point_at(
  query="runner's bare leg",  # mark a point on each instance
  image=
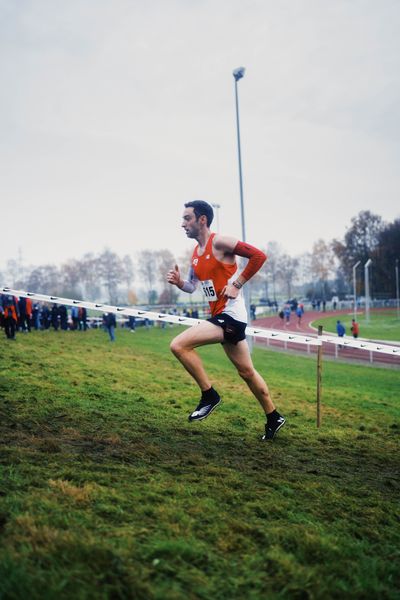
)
(240, 356)
(183, 348)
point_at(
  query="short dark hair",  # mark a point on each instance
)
(201, 208)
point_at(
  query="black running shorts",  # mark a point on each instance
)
(234, 331)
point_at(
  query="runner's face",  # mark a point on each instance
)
(190, 223)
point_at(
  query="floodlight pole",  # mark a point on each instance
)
(238, 74)
(355, 289)
(367, 299)
(397, 287)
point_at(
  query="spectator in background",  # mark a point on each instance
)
(36, 316)
(286, 312)
(25, 313)
(340, 330)
(75, 317)
(45, 317)
(132, 324)
(28, 313)
(10, 316)
(82, 316)
(299, 314)
(253, 312)
(54, 316)
(355, 329)
(63, 312)
(110, 324)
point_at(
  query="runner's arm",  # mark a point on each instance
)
(256, 260)
(256, 257)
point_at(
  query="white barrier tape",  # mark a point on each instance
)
(362, 345)
(273, 334)
(154, 316)
(189, 322)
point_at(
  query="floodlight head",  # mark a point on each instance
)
(369, 261)
(238, 73)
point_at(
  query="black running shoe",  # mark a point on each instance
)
(271, 429)
(204, 409)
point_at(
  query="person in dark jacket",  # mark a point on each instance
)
(45, 317)
(62, 311)
(340, 329)
(36, 316)
(110, 324)
(25, 314)
(82, 316)
(54, 316)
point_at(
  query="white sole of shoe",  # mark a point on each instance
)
(207, 415)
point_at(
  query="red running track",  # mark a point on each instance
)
(275, 322)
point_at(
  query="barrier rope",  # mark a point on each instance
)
(158, 316)
(258, 332)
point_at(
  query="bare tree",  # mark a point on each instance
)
(148, 262)
(45, 279)
(270, 270)
(361, 240)
(322, 263)
(166, 261)
(16, 273)
(89, 276)
(304, 269)
(129, 273)
(111, 271)
(70, 278)
(287, 272)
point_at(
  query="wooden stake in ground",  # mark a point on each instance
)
(319, 378)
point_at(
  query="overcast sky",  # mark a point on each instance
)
(115, 113)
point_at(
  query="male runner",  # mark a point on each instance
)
(214, 266)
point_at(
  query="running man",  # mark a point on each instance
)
(214, 266)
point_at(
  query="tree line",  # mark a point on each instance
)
(328, 269)
(325, 271)
(98, 276)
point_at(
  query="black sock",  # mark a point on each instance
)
(273, 416)
(210, 394)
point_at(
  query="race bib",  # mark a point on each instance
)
(209, 290)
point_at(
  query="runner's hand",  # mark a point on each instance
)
(174, 277)
(230, 291)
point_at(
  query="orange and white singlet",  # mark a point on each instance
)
(213, 276)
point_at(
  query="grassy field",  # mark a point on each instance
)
(383, 325)
(108, 492)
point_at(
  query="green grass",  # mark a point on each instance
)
(107, 491)
(383, 325)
